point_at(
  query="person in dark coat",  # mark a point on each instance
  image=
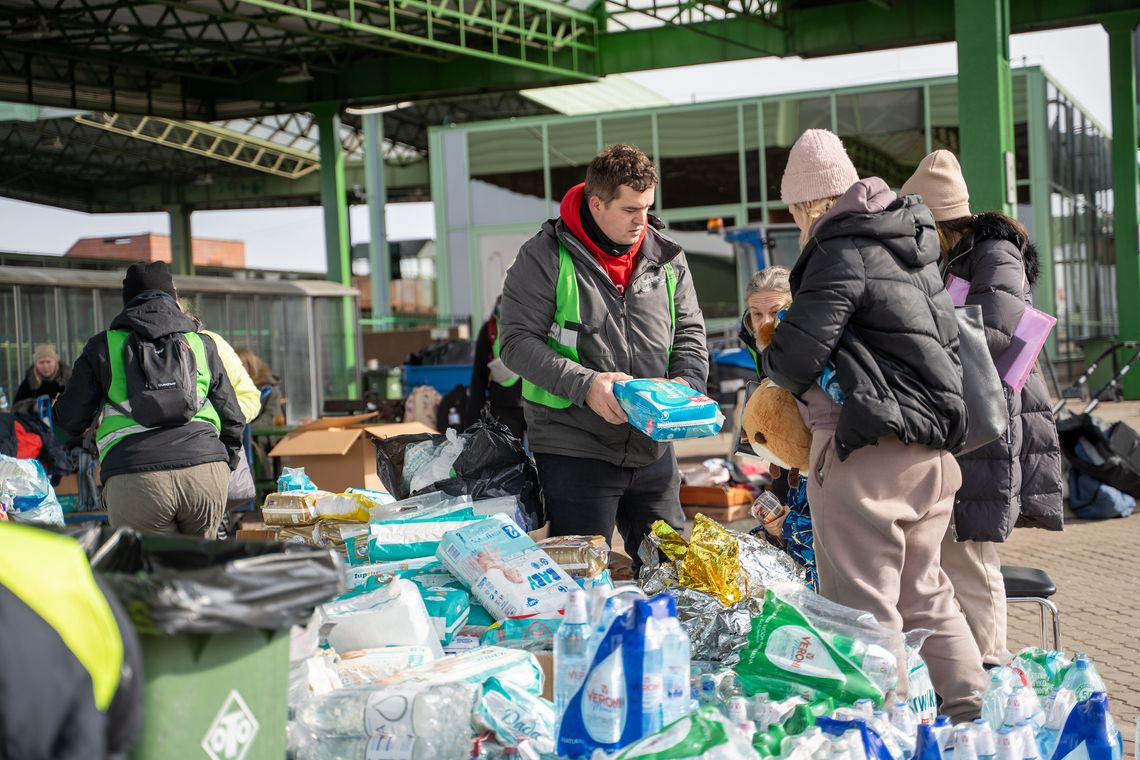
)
(1016, 480)
(492, 383)
(47, 376)
(868, 301)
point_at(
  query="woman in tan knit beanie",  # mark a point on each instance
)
(47, 376)
(868, 305)
(1016, 480)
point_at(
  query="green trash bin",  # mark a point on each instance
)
(219, 696)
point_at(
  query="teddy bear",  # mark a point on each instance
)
(772, 422)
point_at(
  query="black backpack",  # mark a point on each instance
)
(162, 380)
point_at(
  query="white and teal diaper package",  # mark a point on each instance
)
(504, 568)
(668, 411)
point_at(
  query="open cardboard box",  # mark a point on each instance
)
(336, 452)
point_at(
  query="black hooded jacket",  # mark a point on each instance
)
(1016, 480)
(152, 314)
(867, 296)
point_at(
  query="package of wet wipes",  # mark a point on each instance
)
(504, 568)
(667, 411)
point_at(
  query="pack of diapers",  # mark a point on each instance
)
(394, 540)
(667, 411)
(448, 609)
(504, 568)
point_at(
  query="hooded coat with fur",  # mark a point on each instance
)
(867, 296)
(1015, 480)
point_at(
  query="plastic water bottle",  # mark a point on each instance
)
(738, 716)
(903, 719)
(1057, 710)
(423, 711)
(984, 740)
(1029, 748)
(1015, 711)
(571, 651)
(652, 669)
(865, 707)
(1082, 679)
(928, 746)
(453, 418)
(964, 746)
(944, 731)
(380, 747)
(676, 664)
(1008, 743)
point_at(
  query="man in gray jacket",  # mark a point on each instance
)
(598, 296)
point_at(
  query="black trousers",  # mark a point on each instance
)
(587, 497)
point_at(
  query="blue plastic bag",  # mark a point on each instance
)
(33, 498)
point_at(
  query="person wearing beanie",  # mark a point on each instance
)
(172, 477)
(47, 376)
(1015, 480)
(869, 310)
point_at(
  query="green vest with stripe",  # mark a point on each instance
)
(495, 349)
(49, 573)
(117, 423)
(567, 310)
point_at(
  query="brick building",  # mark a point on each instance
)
(151, 247)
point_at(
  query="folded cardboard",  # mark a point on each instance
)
(337, 452)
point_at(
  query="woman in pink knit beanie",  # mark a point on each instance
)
(1015, 480)
(869, 310)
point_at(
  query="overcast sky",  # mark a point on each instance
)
(293, 238)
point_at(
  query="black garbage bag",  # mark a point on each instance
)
(493, 465)
(458, 351)
(180, 584)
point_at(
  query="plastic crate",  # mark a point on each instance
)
(442, 377)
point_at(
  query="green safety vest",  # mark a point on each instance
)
(566, 310)
(49, 573)
(117, 423)
(495, 348)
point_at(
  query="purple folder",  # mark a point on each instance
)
(1015, 363)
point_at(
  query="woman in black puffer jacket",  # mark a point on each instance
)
(868, 303)
(1016, 480)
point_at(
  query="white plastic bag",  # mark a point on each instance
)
(33, 498)
(430, 462)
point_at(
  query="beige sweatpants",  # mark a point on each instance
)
(879, 518)
(974, 568)
(188, 501)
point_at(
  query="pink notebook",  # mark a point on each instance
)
(1016, 363)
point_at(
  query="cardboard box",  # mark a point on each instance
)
(337, 453)
(256, 535)
(68, 485)
(546, 660)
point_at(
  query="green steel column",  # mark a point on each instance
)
(985, 102)
(378, 257)
(1122, 78)
(335, 205)
(181, 240)
(1045, 292)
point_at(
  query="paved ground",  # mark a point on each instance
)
(1094, 565)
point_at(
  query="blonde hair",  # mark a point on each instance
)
(773, 278)
(256, 367)
(810, 212)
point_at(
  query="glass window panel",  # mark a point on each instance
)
(294, 364)
(630, 130)
(712, 264)
(944, 118)
(242, 322)
(784, 122)
(336, 373)
(883, 132)
(79, 322)
(571, 146)
(700, 157)
(211, 309)
(506, 175)
(782, 246)
(11, 373)
(37, 319)
(752, 176)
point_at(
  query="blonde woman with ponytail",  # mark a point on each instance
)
(868, 300)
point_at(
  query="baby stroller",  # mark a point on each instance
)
(1100, 453)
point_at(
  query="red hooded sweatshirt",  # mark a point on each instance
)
(619, 268)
